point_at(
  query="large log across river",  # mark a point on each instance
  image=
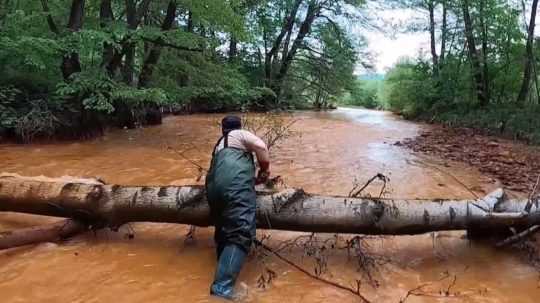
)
(91, 201)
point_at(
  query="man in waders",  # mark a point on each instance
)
(230, 189)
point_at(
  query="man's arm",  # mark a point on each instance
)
(256, 145)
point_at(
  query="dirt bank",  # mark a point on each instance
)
(515, 165)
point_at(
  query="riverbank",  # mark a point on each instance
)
(516, 165)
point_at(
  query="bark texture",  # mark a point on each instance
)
(71, 63)
(433, 44)
(88, 200)
(155, 51)
(529, 60)
(47, 233)
(106, 17)
(288, 25)
(478, 72)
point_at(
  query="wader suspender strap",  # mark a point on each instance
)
(225, 143)
(226, 140)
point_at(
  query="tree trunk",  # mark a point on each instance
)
(288, 25)
(113, 205)
(133, 21)
(106, 17)
(444, 32)
(312, 12)
(473, 56)
(47, 233)
(434, 56)
(485, 50)
(50, 20)
(155, 51)
(189, 26)
(233, 48)
(529, 60)
(134, 16)
(4, 11)
(285, 51)
(70, 62)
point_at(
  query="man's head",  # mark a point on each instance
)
(230, 123)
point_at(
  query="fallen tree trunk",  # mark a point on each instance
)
(46, 233)
(89, 200)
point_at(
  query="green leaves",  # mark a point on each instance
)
(98, 92)
(34, 53)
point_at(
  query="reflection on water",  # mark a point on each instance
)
(332, 150)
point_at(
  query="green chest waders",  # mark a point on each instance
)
(230, 189)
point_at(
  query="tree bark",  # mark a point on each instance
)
(113, 205)
(529, 60)
(485, 50)
(444, 32)
(233, 48)
(155, 50)
(50, 20)
(270, 55)
(434, 56)
(312, 12)
(134, 19)
(70, 62)
(47, 233)
(473, 55)
(189, 26)
(106, 16)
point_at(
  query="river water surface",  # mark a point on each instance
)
(328, 153)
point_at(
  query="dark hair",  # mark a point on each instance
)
(230, 123)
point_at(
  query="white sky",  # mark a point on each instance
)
(391, 43)
(388, 50)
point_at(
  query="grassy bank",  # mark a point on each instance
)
(412, 90)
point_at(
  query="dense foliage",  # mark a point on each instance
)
(72, 67)
(366, 92)
(491, 86)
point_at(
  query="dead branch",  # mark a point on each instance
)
(274, 126)
(355, 292)
(181, 154)
(419, 291)
(519, 236)
(46, 233)
(356, 191)
(531, 196)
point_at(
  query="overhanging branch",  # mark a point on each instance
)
(170, 45)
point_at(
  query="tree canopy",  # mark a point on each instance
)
(70, 68)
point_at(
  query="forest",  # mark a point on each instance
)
(72, 68)
(479, 70)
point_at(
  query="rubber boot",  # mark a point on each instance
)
(229, 265)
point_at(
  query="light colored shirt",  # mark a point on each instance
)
(247, 141)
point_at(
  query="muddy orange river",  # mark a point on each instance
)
(329, 151)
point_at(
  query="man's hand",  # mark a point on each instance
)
(262, 177)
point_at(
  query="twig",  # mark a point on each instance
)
(190, 236)
(354, 193)
(187, 159)
(418, 291)
(531, 196)
(356, 292)
(518, 237)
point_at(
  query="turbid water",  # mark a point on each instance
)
(328, 153)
